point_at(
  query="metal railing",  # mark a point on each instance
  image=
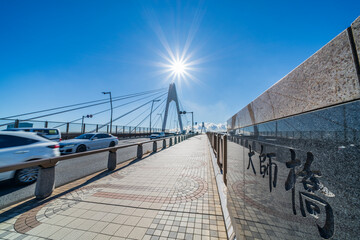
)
(46, 179)
(70, 127)
(218, 143)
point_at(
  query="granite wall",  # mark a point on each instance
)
(327, 78)
(293, 153)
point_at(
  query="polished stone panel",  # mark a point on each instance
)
(355, 26)
(297, 177)
(327, 78)
(293, 153)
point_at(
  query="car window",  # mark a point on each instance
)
(85, 136)
(38, 130)
(52, 131)
(47, 131)
(14, 141)
(103, 136)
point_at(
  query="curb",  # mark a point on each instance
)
(222, 190)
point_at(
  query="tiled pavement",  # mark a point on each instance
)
(168, 195)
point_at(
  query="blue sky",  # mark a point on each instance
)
(54, 53)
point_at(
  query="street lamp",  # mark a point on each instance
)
(111, 109)
(82, 122)
(152, 105)
(192, 119)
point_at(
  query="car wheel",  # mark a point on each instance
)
(26, 176)
(112, 144)
(81, 148)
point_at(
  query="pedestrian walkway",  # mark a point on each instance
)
(168, 195)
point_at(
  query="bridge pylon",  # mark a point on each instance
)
(172, 96)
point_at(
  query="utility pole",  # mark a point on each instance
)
(152, 105)
(111, 116)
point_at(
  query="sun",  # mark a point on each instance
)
(178, 67)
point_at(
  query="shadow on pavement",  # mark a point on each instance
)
(34, 203)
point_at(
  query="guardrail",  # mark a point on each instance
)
(218, 143)
(46, 179)
(72, 127)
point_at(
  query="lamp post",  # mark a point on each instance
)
(82, 122)
(111, 109)
(192, 119)
(152, 105)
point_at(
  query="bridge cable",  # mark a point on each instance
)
(159, 116)
(78, 104)
(125, 114)
(78, 119)
(138, 116)
(148, 115)
(69, 110)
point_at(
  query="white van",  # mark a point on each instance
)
(52, 134)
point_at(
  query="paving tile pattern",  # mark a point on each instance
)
(168, 195)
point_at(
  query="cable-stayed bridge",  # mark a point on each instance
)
(135, 114)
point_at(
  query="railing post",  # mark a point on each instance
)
(112, 160)
(116, 129)
(218, 155)
(154, 146)
(175, 140)
(225, 160)
(45, 183)
(97, 127)
(107, 128)
(170, 142)
(139, 151)
(67, 127)
(16, 124)
(164, 143)
(46, 124)
(123, 129)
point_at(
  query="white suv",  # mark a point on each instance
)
(18, 147)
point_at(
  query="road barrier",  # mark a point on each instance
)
(218, 143)
(46, 179)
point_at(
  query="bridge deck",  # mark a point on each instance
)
(171, 194)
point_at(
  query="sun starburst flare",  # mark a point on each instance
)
(178, 61)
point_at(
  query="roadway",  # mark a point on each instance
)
(72, 169)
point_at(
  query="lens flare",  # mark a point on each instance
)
(178, 67)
